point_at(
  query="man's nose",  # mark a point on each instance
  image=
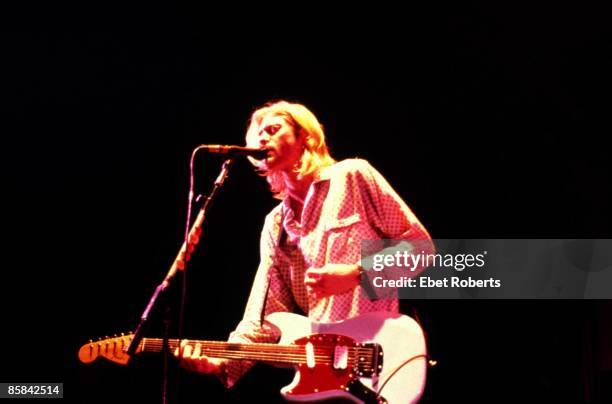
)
(264, 140)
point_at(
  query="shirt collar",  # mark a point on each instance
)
(325, 174)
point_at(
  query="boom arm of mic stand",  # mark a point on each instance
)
(182, 257)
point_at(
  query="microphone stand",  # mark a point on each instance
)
(179, 264)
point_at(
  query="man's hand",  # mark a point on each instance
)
(331, 279)
(191, 359)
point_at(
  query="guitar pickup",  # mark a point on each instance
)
(369, 359)
(341, 357)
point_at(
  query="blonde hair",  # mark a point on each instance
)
(315, 155)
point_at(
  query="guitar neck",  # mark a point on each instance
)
(285, 354)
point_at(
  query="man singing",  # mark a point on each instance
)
(311, 241)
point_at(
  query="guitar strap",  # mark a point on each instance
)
(281, 237)
(280, 241)
(262, 315)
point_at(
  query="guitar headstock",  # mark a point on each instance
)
(113, 349)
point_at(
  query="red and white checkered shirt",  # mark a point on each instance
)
(348, 203)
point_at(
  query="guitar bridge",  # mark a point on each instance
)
(368, 359)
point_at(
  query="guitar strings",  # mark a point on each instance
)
(276, 349)
(155, 342)
(286, 353)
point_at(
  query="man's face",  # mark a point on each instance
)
(285, 146)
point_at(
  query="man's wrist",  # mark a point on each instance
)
(360, 273)
(365, 283)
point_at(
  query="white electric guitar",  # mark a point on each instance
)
(378, 357)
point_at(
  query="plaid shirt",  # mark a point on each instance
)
(348, 203)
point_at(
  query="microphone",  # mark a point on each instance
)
(233, 151)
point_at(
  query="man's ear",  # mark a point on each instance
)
(305, 139)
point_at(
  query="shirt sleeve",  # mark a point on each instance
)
(392, 218)
(269, 294)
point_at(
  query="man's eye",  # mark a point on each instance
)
(272, 129)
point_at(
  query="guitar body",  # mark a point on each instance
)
(402, 372)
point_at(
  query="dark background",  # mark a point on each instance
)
(490, 121)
